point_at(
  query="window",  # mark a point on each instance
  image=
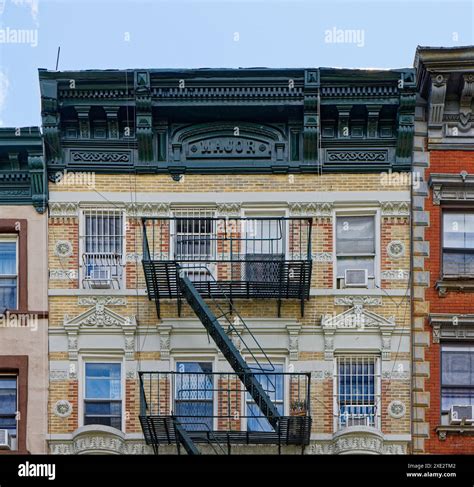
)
(195, 241)
(458, 244)
(357, 391)
(355, 251)
(457, 377)
(8, 274)
(264, 247)
(194, 394)
(102, 249)
(273, 384)
(8, 404)
(103, 394)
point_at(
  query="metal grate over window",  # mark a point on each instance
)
(102, 248)
(357, 391)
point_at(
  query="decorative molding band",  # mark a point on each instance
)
(395, 208)
(395, 275)
(229, 209)
(357, 440)
(360, 300)
(132, 257)
(95, 156)
(63, 209)
(63, 274)
(139, 210)
(102, 300)
(395, 375)
(356, 156)
(311, 209)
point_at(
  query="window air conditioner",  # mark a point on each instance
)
(99, 277)
(459, 414)
(5, 440)
(355, 278)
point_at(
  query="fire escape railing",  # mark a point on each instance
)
(258, 257)
(215, 408)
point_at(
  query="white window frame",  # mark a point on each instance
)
(375, 212)
(377, 386)
(100, 359)
(82, 236)
(5, 237)
(276, 360)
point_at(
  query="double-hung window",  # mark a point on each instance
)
(103, 394)
(273, 384)
(194, 395)
(8, 404)
(357, 391)
(457, 377)
(264, 246)
(102, 249)
(458, 244)
(355, 251)
(8, 274)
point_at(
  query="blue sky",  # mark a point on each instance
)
(115, 34)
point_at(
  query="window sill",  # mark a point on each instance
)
(459, 284)
(444, 430)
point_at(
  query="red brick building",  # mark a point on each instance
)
(443, 246)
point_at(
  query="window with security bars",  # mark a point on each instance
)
(357, 391)
(102, 243)
(458, 244)
(355, 251)
(194, 395)
(195, 241)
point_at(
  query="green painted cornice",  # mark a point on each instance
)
(22, 168)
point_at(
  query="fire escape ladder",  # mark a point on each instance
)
(215, 329)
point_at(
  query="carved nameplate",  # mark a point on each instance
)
(228, 147)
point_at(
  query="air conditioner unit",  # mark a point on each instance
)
(356, 278)
(460, 414)
(5, 440)
(100, 277)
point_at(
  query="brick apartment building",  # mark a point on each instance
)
(23, 292)
(444, 252)
(229, 260)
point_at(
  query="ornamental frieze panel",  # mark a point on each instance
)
(106, 157)
(357, 156)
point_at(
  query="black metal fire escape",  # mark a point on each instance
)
(225, 326)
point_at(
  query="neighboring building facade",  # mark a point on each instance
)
(280, 197)
(23, 292)
(444, 252)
